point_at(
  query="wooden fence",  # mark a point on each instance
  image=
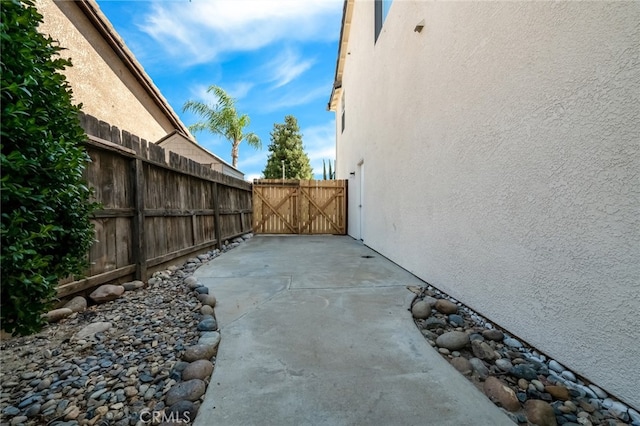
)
(152, 212)
(299, 206)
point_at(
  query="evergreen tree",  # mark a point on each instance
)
(286, 145)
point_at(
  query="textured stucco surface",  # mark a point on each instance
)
(502, 155)
(98, 78)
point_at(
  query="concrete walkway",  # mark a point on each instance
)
(316, 332)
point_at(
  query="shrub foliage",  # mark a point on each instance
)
(46, 207)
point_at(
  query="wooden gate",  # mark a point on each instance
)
(299, 206)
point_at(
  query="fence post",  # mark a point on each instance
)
(139, 247)
(216, 216)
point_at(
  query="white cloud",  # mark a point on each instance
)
(320, 144)
(258, 159)
(251, 176)
(237, 90)
(297, 98)
(287, 67)
(198, 31)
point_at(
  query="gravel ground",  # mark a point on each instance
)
(115, 363)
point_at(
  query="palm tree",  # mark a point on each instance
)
(222, 119)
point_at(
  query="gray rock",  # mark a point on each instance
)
(601, 394)
(200, 369)
(619, 410)
(524, 371)
(453, 340)
(493, 334)
(33, 410)
(446, 307)
(456, 320)
(482, 350)
(91, 329)
(430, 300)
(509, 341)
(130, 391)
(479, 368)
(421, 310)
(106, 293)
(433, 323)
(476, 336)
(96, 394)
(19, 420)
(211, 338)
(189, 390)
(202, 290)
(429, 334)
(31, 400)
(192, 282)
(207, 299)
(540, 413)
(11, 411)
(555, 366)
(58, 314)
(568, 375)
(504, 364)
(206, 310)
(154, 282)
(208, 323)
(77, 304)
(44, 384)
(180, 365)
(462, 365)
(587, 390)
(133, 285)
(199, 351)
(71, 413)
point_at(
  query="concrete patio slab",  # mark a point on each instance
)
(315, 334)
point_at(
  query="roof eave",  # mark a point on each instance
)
(347, 13)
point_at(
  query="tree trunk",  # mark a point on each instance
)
(234, 153)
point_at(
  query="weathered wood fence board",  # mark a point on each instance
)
(299, 206)
(153, 212)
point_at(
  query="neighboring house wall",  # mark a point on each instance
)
(502, 155)
(111, 84)
(99, 78)
(182, 145)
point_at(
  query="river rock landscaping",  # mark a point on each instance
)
(136, 353)
(528, 386)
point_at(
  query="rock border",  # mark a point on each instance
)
(528, 386)
(84, 382)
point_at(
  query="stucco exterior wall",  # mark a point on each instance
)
(502, 155)
(188, 149)
(180, 145)
(98, 78)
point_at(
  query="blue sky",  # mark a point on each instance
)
(275, 57)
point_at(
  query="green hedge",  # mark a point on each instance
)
(46, 231)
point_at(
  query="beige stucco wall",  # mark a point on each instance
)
(502, 155)
(177, 144)
(180, 145)
(98, 78)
